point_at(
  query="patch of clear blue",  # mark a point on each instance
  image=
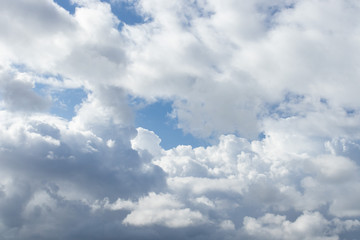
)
(64, 101)
(20, 67)
(67, 5)
(283, 109)
(125, 11)
(261, 136)
(155, 117)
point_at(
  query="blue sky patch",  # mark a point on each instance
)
(125, 12)
(67, 5)
(155, 117)
(64, 101)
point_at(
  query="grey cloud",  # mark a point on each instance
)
(34, 13)
(96, 170)
(230, 67)
(19, 95)
(50, 178)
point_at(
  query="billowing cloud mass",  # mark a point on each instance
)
(271, 86)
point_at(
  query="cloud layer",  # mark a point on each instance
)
(271, 85)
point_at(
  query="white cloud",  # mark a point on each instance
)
(221, 53)
(232, 69)
(146, 141)
(247, 177)
(163, 209)
(307, 226)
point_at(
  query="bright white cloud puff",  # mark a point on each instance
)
(272, 86)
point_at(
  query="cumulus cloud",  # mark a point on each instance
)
(246, 54)
(17, 93)
(272, 85)
(307, 226)
(148, 141)
(161, 209)
(49, 168)
(235, 180)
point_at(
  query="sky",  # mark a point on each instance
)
(187, 119)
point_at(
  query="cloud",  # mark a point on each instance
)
(17, 93)
(251, 55)
(161, 209)
(51, 170)
(235, 181)
(148, 141)
(273, 86)
(310, 225)
(307, 226)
